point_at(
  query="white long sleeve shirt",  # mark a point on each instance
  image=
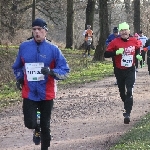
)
(143, 39)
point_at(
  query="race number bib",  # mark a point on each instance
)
(127, 60)
(89, 38)
(33, 71)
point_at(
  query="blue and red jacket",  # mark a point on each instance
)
(51, 56)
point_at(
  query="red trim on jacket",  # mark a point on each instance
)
(25, 89)
(51, 85)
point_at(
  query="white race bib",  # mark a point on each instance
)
(127, 60)
(89, 38)
(33, 71)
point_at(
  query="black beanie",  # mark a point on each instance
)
(41, 23)
(115, 30)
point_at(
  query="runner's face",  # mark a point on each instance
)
(124, 33)
(39, 33)
(115, 33)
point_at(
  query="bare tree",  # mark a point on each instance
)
(54, 10)
(104, 31)
(136, 16)
(11, 17)
(69, 28)
(128, 9)
(145, 17)
(14, 14)
(0, 19)
(33, 9)
(90, 13)
(90, 9)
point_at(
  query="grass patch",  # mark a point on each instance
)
(9, 94)
(92, 72)
(138, 138)
(82, 70)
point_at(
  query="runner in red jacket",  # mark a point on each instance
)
(124, 49)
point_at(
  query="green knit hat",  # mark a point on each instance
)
(123, 25)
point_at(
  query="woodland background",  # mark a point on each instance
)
(67, 20)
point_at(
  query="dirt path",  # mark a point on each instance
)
(88, 117)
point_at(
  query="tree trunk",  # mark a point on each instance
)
(69, 28)
(90, 9)
(136, 22)
(0, 20)
(128, 9)
(104, 31)
(33, 9)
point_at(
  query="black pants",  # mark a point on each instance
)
(143, 55)
(148, 63)
(114, 65)
(125, 81)
(148, 60)
(30, 118)
(136, 63)
(87, 48)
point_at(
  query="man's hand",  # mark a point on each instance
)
(19, 84)
(139, 57)
(120, 51)
(47, 71)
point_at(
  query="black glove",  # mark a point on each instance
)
(47, 71)
(19, 84)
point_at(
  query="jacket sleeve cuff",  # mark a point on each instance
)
(109, 54)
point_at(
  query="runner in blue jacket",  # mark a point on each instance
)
(111, 37)
(38, 65)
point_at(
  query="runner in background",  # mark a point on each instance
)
(143, 39)
(88, 40)
(124, 49)
(111, 37)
